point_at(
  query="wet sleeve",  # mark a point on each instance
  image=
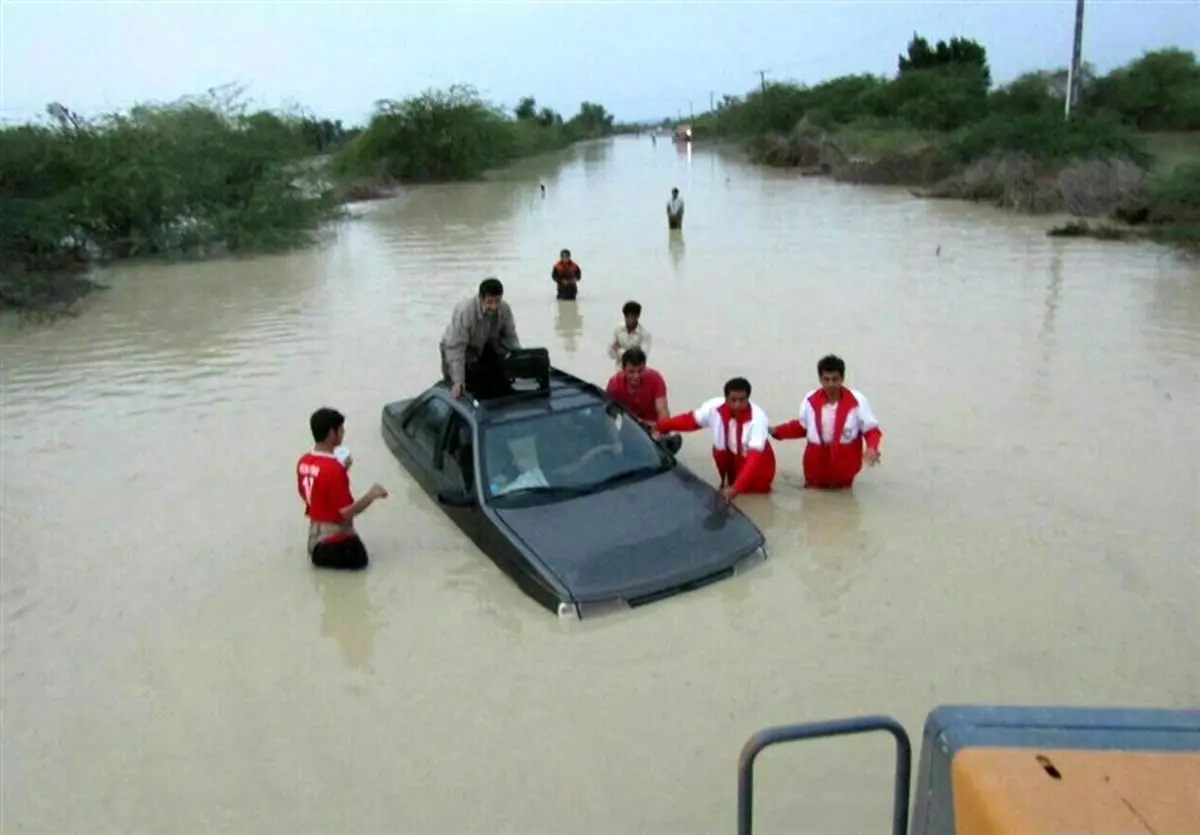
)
(792, 430)
(508, 330)
(746, 474)
(658, 387)
(872, 434)
(457, 339)
(337, 484)
(688, 421)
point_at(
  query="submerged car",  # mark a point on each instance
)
(567, 492)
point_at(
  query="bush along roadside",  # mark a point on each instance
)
(453, 135)
(205, 175)
(939, 126)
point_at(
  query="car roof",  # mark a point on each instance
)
(565, 393)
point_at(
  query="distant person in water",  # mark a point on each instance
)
(675, 210)
(323, 481)
(543, 189)
(629, 334)
(741, 438)
(840, 427)
(480, 334)
(566, 275)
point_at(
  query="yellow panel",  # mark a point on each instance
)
(1010, 791)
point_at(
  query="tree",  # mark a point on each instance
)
(957, 53)
(526, 109)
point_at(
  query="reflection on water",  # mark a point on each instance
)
(348, 617)
(568, 324)
(675, 246)
(1026, 537)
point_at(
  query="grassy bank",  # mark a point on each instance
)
(455, 134)
(1128, 155)
(207, 175)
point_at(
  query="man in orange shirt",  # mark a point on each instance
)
(566, 275)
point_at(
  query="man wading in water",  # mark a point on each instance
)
(323, 480)
(481, 332)
(566, 275)
(675, 210)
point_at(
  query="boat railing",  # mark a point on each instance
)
(822, 730)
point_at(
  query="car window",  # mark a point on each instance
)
(458, 457)
(575, 449)
(427, 422)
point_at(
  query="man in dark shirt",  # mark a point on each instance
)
(566, 275)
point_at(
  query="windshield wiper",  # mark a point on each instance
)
(628, 475)
(554, 491)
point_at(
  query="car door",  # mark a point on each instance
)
(424, 429)
(454, 469)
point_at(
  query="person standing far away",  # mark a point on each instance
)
(641, 390)
(481, 332)
(675, 210)
(838, 422)
(629, 334)
(566, 275)
(740, 431)
(323, 480)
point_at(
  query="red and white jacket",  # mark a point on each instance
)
(741, 444)
(834, 454)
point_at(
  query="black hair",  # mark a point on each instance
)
(632, 309)
(491, 287)
(831, 364)
(737, 384)
(324, 421)
(565, 252)
(633, 356)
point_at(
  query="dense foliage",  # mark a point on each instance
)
(939, 113)
(456, 135)
(945, 90)
(207, 174)
(158, 179)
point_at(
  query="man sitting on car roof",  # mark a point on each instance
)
(480, 333)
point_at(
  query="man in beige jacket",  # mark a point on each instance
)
(481, 332)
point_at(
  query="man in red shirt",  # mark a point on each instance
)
(642, 391)
(323, 480)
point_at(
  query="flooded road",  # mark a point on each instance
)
(171, 663)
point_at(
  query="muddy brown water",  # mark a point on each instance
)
(171, 664)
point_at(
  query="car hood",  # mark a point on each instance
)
(636, 539)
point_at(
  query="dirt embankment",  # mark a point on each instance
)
(1113, 189)
(1085, 188)
(823, 155)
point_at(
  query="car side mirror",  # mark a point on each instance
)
(455, 497)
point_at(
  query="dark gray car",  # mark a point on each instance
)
(569, 494)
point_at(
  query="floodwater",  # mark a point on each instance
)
(171, 664)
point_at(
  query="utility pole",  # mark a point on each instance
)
(691, 110)
(1074, 72)
(762, 75)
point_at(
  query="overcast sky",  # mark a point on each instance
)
(645, 59)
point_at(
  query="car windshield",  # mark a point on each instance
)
(565, 454)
